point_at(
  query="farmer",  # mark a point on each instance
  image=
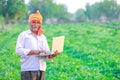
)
(30, 44)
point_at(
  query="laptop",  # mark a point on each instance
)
(57, 44)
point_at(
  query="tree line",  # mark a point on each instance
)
(106, 10)
(12, 11)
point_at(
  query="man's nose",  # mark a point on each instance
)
(36, 23)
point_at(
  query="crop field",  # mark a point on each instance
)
(91, 51)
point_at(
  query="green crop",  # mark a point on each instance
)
(91, 52)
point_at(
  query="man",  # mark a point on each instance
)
(29, 45)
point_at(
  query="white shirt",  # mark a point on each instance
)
(27, 41)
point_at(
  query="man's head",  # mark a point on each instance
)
(35, 21)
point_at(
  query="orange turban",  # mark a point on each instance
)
(39, 17)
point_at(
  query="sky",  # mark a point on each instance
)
(73, 5)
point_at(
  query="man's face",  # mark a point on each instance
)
(35, 25)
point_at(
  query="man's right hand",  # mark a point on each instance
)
(36, 52)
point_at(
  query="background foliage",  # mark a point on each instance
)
(15, 10)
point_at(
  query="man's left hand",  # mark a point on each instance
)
(54, 54)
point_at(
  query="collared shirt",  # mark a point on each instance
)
(27, 41)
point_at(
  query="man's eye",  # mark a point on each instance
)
(33, 21)
(38, 22)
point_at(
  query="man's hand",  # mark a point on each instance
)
(54, 54)
(36, 52)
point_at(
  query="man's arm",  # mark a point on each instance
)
(35, 52)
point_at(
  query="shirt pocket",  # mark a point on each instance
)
(40, 44)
